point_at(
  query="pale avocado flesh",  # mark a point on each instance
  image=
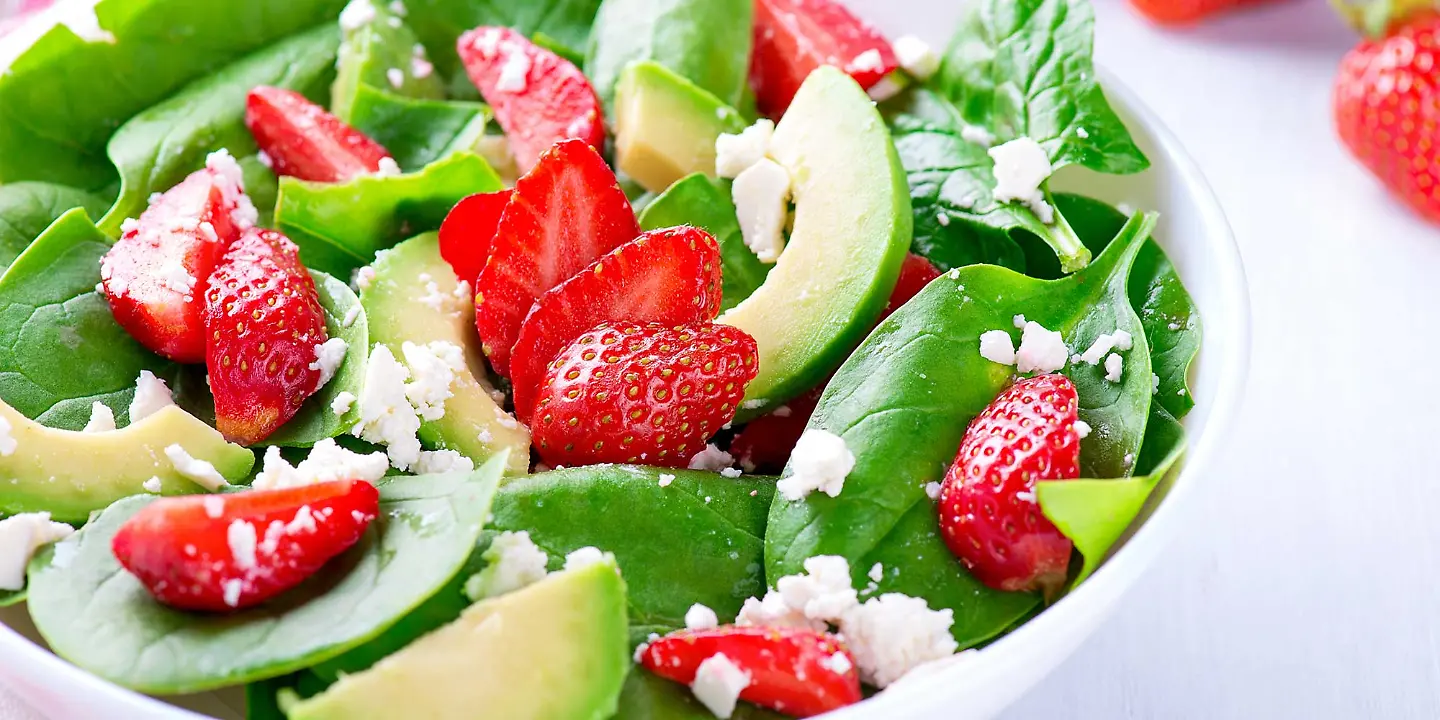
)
(852, 229)
(665, 126)
(71, 474)
(401, 306)
(556, 650)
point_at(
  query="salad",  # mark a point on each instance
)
(566, 359)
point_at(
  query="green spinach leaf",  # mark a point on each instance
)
(27, 208)
(159, 147)
(316, 421)
(11, 597)
(62, 98)
(705, 41)
(418, 132)
(376, 54)
(427, 528)
(340, 226)
(647, 696)
(705, 203)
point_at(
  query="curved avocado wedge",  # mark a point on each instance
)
(852, 229)
(70, 474)
(665, 126)
(401, 306)
(556, 650)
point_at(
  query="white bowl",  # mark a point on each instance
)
(1197, 237)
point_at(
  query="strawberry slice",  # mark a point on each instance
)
(469, 230)
(221, 553)
(303, 141)
(797, 671)
(263, 325)
(669, 276)
(915, 273)
(565, 213)
(156, 274)
(793, 37)
(538, 97)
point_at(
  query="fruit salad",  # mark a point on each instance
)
(630, 358)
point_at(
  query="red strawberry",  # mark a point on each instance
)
(915, 273)
(305, 142)
(263, 322)
(669, 276)
(469, 230)
(1180, 12)
(793, 37)
(156, 274)
(797, 671)
(1384, 99)
(565, 213)
(628, 392)
(538, 97)
(221, 553)
(988, 513)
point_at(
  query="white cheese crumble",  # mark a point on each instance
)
(868, 61)
(241, 538)
(230, 591)
(762, 205)
(386, 415)
(732, 473)
(1082, 429)
(102, 418)
(433, 367)
(512, 562)
(151, 396)
(231, 181)
(329, 355)
(735, 154)
(265, 159)
(887, 88)
(877, 572)
(326, 462)
(396, 77)
(1114, 367)
(1082, 133)
(363, 278)
(153, 485)
(1097, 350)
(977, 135)
(585, 557)
(351, 316)
(1123, 340)
(711, 459)
(420, 66)
(82, 20)
(1040, 350)
(387, 167)
(200, 472)
(173, 275)
(1021, 166)
(514, 74)
(916, 57)
(718, 684)
(342, 403)
(998, 347)
(20, 536)
(435, 462)
(838, 663)
(824, 593)
(895, 633)
(701, 617)
(932, 490)
(820, 461)
(214, 506)
(666, 479)
(356, 15)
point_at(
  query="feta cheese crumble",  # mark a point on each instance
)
(82, 20)
(433, 367)
(1082, 429)
(153, 485)
(711, 459)
(1114, 367)
(666, 479)
(735, 154)
(977, 135)
(514, 74)
(102, 418)
(916, 57)
(386, 415)
(326, 462)
(932, 490)
(351, 316)
(20, 536)
(342, 403)
(762, 204)
(1021, 166)
(230, 591)
(232, 187)
(356, 15)
(329, 355)
(1040, 350)
(585, 557)
(200, 472)
(718, 684)
(701, 617)
(1119, 340)
(363, 278)
(396, 77)
(513, 561)
(998, 347)
(151, 396)
(387, 167)
(820, 461)
(838, 663)
(895, 633)
(868, 61)
(240, 536)
(435, 462)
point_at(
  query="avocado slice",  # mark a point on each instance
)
(401, 306)
(665, 126)
(70, 474)
(381, 53)
(553, 650)
(852, 229)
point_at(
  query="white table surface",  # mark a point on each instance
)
(1307, 584)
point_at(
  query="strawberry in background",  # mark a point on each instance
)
(1181, 12)
(14, 14)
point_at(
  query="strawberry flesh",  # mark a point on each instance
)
(469, 230)
(793, 37)
(304, 141)
(1180, 12)
(222, 553)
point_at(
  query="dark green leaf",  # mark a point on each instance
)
(704, 41)
(371, 54)
(647, 696)
(705, 203)
(316, 421)
(418, 132)
(426, 530)
(575, 56)
(11, 597)
(27, 208)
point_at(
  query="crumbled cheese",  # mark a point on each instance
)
(877, 571)
(824, 592)
(102, 418)
(512, 562)
(1082, 429)
(420, 66)
(396, 77)
(711, 459)
(173, 275)
(230, 591)
(342, 402)
(329, 355)
(433, 367)
(762, 205)
(362, 278)
(398, 8)
(356, 15)
(943, 664)
(1114, 366)
(387, 167)
(998, 347)
(772, 611)
(932, 490)
(386, 415)
(435, 462)
(585, 557)
(304, 522)
(977, 135)
(1021, 166)
(868, 61)
(666, 479)
(1082, 133)
(820, 461)
(231, 181)
(153, 485)
(202, 473)
(718, 684)
(916, 57)
(326, 462)
(151, 396)
(735, 154)
(701, 617)
(265, 159)
(732, 473)
(514, 74)
(1155, 384)
(838, 663)
(1097, 350)
(887, 88)
(1040, 350)
(943, 219)
(351, 316)
(214, 505)
(1123, 340)
(82, 20)
(241, 538)
(782, 411)
(20, 536)
(894, 633)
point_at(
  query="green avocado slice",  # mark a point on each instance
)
(665, 126)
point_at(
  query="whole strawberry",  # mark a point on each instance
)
(642, 393)
(1385, 100)
(988, 513)
(1179, 12)
(263, 321)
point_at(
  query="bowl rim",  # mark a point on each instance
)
(1093, 598)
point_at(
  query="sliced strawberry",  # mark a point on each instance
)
(538, 97)
(469, 230)
(305, 142)
(565, 213)
(631, 392)
(797, 671)
(793, 37)
(221, 553)
(988, 513)
(156, 274)
(915, 273)
(669, 276)
(263, 322)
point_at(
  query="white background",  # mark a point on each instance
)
(1307, 584)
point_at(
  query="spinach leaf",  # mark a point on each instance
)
(376, 54)
(11, 597)
(316, 421)
(340, 226)
(705, 41)
(705, 203)
(62, 98)
(427, 528)
(49, 309)
(647, 696)
(418, 132)
(159, 147)
(27, 208)
(576, 57)
(902, 403)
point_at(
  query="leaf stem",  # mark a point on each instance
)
(1071, 251)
